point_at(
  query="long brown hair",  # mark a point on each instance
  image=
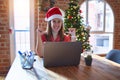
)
(49, 32)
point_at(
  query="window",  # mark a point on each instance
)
(21, 17)
(98, 14)
(22, 24)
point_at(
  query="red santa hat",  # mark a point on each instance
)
(53, 13)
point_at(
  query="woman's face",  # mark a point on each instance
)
(56, 24)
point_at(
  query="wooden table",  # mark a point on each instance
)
(101, 69)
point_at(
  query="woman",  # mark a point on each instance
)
(55, 32)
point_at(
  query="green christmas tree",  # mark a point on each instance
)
(73, 19)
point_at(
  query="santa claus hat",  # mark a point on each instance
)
(52, 13)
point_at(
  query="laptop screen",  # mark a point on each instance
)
(62, 53)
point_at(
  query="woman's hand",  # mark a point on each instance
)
(40, 31)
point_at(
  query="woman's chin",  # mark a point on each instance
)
(56, 30)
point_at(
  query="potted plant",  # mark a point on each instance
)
(88, 57)
(88, 60)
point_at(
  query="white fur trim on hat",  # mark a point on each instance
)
(54, 16)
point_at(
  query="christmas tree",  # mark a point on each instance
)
(73, 19)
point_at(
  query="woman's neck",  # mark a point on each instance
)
(55, 34)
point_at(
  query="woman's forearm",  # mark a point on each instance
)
(39, 45)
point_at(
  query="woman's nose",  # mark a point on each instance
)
(56, 24)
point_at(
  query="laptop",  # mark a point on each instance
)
(62, 54)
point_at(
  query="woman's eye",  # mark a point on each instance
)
(58, 21)
(54, 21)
